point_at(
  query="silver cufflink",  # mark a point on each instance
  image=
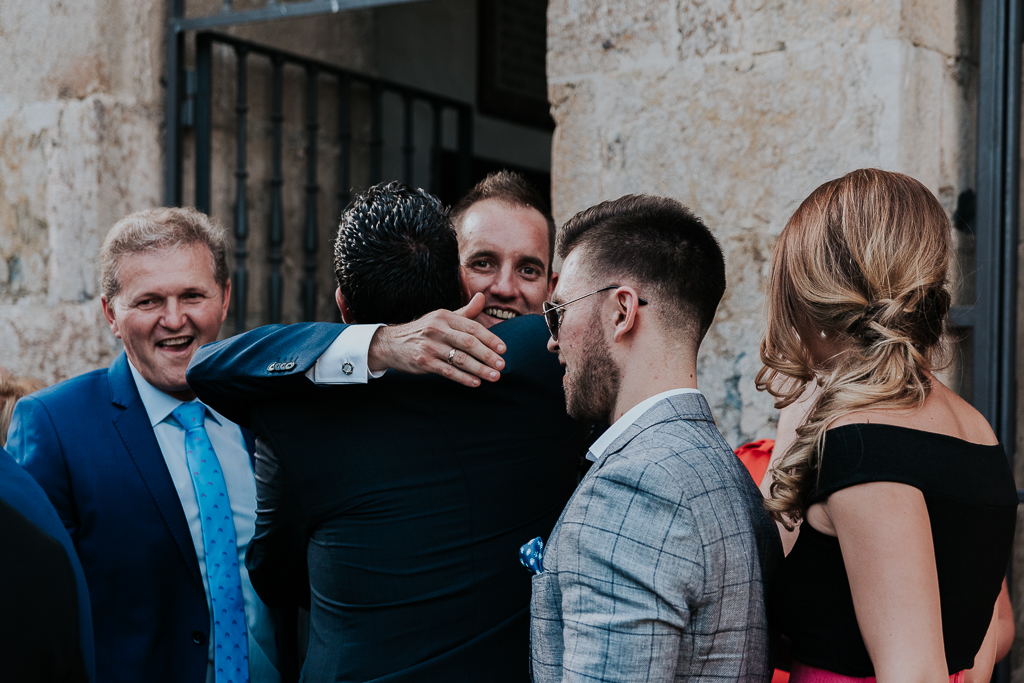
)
(347, 368)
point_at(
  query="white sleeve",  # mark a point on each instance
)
(345, 360)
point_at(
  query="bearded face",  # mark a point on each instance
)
(591, 376)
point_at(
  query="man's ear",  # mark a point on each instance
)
(108, 313)
(552, 283)
(346, 315)
(627, 303)
(227, 301)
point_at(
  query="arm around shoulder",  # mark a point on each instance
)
(264, 364)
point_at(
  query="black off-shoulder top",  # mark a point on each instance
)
(972, 505)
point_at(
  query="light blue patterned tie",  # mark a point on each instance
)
(230, 643)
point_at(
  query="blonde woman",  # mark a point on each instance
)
(904, 498)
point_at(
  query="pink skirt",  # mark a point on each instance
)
(801, 673)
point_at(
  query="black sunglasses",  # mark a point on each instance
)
(553, 314)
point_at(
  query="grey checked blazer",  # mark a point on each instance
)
(658, 568)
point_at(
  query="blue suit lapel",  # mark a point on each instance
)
(132, 424)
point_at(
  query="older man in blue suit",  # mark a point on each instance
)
(156, 489)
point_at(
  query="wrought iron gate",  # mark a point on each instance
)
(190, 105)
(993, 318)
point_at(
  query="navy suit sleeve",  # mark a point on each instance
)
(35, 445)
(233, 374)
(19, 490)
(276, 556)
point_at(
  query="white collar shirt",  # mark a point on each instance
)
(602, 443)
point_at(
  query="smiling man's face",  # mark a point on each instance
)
(168, 306)
(504, 255)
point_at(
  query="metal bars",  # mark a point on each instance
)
(309, 285)
(172, 108)
(377, 134)
(408, 148)
(344, 141)
(998, 181)
(436, 146)
(204, 122)
(996, 247)
(317, 73)
(276, 181)
(270, 11)
(241, 175)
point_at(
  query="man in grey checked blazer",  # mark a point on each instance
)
(658, 568)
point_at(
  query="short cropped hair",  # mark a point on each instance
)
(661, 245)
(513, 190)
(163, 228)
(396, 256)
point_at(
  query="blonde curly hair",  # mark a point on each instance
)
(863, 262)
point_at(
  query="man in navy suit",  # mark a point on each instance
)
(414, 492)
(109, 448)
(43, 585)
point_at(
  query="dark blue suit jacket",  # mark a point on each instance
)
(20, 491)
(415, 494)
(88, 442)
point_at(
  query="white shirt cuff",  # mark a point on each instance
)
(345, 360)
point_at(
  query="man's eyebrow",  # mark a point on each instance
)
(534, 261)
(485, 253)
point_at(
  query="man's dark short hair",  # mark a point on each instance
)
(512, 189)
(661, 245)
(396, 256)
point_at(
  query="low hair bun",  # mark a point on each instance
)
(866, 257)
(866, 328)
(919, 316)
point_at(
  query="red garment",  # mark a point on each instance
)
(755, 456)
(809, 674)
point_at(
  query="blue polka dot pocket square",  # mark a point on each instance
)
(532, 554)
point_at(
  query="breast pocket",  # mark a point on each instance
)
(546, 646)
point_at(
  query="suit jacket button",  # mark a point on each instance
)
(272, 367)
(198, 637)
(288, 366)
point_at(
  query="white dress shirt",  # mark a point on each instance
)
(345, 360)
(599, 446)
(229, 444)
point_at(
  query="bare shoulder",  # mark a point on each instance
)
(943, 412)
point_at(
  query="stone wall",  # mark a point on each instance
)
(80, 116)
(739, 108)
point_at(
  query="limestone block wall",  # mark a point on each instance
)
(739, 108)
(80, 116)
